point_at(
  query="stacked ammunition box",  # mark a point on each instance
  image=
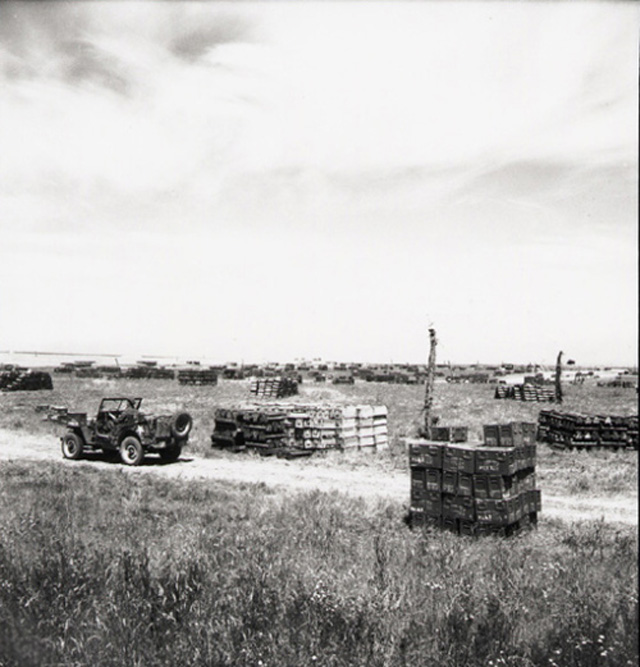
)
(274, 387)
(450, 433)
(476, 489)
(153, 373)
(531, 393)
(343, 427)
(380, 427)
(266, 429)
(566, 430)
(24, 379)
(302, 426)
(316, 427)
(197, 376)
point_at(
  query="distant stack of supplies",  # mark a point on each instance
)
(526, 392)
(23, 379)
(197, 376)
(566, 430)
(477, 489)
(300, 426)
(274, 387)
(149, 373)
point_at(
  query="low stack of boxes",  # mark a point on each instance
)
(361, 427)
(24, 379)
(154, 373)
(303, 426)
(476, 489)
(274, 387)
(198, 376)
(528, 392)
(266, 429)
(450, 433)
(566, 430)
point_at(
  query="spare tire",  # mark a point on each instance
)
(181, 425)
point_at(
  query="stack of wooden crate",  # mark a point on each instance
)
(249, 426)
(24, 379)
(317, 426)
(380, 427)
(566, 430)
(528, 392)
(303, 426)
(274, 387)
(197, 376)
(476, 489)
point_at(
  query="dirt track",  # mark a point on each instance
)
(371, 484)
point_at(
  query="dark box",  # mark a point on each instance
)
(491, 434)
(465, 484)
(433, 481)
(433, 503)
(449, 481)
(496, 460)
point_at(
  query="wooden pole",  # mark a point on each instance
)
(428, 389)
(558, 378)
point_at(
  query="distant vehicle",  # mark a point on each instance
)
(120, 426)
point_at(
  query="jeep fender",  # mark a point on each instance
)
(80, 432)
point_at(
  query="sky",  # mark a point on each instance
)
(272, 181)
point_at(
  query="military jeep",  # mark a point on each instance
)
(120, 426)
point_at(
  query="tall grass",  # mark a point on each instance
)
(103, 568)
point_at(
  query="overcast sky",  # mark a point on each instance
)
(270, 181)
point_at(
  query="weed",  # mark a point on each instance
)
(108, 569)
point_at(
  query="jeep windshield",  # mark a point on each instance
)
(119, 404)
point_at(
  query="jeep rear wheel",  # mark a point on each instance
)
(131, 451)
(171, 453)
(72, 446)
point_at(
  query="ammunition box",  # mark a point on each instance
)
(449, 459)
(448, 506)
(465, 484)
(427, 454)
(480, 486)
(449, 481)
(459, 434)
(466, 459)
(491, 511)
(464, 508)
(441, 433)
(496, 460)
(432, 503)
(433, 480)
(491, 433)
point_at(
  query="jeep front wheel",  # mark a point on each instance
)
(72, 446)
(171, 453)
(131, 451)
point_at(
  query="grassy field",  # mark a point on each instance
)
(469, 405)
(581, 473)
(106, 568)
(99, 567)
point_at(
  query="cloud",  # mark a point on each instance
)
(110, 109)
(373, 161)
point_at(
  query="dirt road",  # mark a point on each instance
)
(372, 484)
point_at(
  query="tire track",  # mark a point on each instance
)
(371, 484)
